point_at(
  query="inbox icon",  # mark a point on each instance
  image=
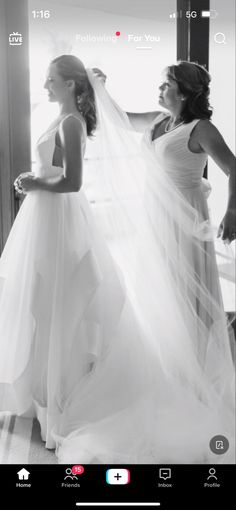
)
(117, 476)
(165, 473)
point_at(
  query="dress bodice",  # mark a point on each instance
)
(174, 156)
(44, 151)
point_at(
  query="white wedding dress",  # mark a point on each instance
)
(63, 304)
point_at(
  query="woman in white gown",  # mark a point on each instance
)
(108, 376)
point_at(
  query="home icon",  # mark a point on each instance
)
(23, 474)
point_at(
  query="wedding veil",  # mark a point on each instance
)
(153, 233)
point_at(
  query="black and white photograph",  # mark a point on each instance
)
(117, 232)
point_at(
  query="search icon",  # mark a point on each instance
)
(220, 38)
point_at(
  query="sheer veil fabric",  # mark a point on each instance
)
(188, 393)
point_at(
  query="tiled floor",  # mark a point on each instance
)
(21, 443)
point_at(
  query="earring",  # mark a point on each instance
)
(182, 98)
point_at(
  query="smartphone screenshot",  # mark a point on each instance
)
(117, 253)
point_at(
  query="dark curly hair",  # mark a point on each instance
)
(193, 82)
(71, 68)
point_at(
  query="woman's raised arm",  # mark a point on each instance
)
(141, 121)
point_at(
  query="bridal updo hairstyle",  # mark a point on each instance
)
(70, 67)
(193, 82)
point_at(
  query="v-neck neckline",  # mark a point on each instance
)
(166, 132)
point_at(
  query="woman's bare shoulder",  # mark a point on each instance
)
(72, 120)
(206, 126)
(72, 125)
(205, 130)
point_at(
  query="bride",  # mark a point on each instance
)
(104, 348)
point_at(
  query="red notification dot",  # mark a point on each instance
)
(117, 33)
(77, 470)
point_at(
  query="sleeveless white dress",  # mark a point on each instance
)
(185, 169)
(63, 304)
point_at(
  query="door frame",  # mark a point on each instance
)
(15, 145)
(193, 34)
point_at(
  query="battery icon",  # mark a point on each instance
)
(209, 14)
(206, 14)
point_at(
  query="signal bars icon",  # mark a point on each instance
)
(174, 15)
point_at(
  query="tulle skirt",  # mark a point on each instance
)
(75, 349)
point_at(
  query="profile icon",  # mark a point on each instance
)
(212, 474)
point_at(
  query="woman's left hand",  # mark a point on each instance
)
(227, 228)
(26, 183)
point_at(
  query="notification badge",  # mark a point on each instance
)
(77, 470)
(117, 476)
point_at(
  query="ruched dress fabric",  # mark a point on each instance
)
(63, 304)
